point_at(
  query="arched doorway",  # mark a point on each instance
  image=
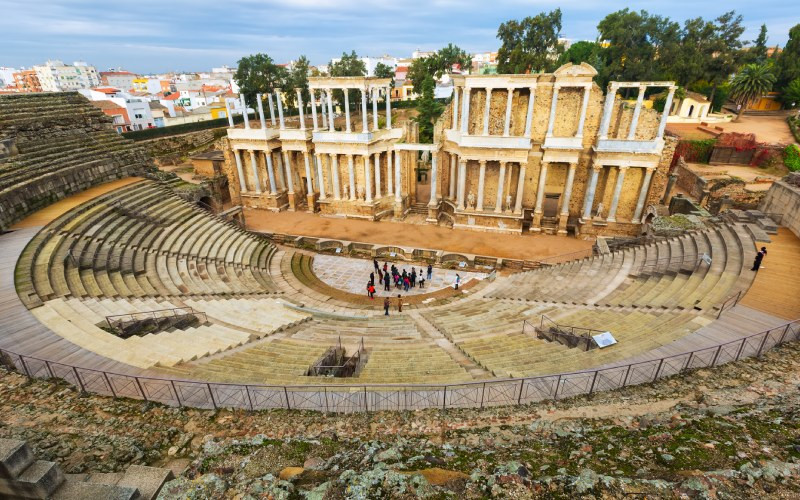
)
(691, 110)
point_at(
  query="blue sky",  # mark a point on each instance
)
(157, 36)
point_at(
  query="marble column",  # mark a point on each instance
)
(568, 190)
(612, 212)
(309, 184)
(553, 105)
(377, 175)
(667, 106)
(254, 166)
(462, 184)
(507, 124)
(330, 110)
(637, 214)
(323, 109)
(584, 107)
(389, 176)
(608, 107)
(270, 172)
(300, 109)
(375, 109)
(540, 188)
(271, 109)
(520, 189)
(590, 190)
(229, 114)
(452, 191)
(351, 176)
(368, 178)
(388, 109)
(261, 111)
(244, 112)
(346, 110)
(279, 101)
(486, 111)
(320, 177)
(281, 176)
(498, 206)
(398, 191)
(287, 164)
(239, 170)
(636, 112)
(314, 110)
(455, 108)
(364, 121)
(529, 113)
(481, 185)
(465, 112)
(434, 192)
(335, 176)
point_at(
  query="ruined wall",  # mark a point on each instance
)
(171, 150)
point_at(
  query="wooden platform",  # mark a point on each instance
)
(48, 214)
(776, 289)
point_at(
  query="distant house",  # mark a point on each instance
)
(159, 112)
(120, 79)
(693, 107)
(117, 112)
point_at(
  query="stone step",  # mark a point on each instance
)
(15, 457)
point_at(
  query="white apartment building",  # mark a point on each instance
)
(55, 76)
(118, 78)
(138, 108)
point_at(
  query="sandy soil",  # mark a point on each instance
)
(771, 129)
(528, 247)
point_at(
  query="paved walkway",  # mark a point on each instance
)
(775, 289)
(351, 275)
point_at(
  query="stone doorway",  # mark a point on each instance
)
(422, 173)
(550, 207)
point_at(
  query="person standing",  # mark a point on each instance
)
(458, 281)
(759, 257)
(372, 278)
(430, 272)
(371, 291)
(413, 277)
(387, 280)
(368, 287)
(386, 306)
(399, 303)
(375, 263)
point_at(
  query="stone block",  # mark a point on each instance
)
(84, 490)
(148, 480)
(15, 457)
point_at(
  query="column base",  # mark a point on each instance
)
(292, 201)
(562, 224)
(537, 221)
(311, 201)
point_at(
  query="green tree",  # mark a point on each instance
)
(788, 63)
(530, 45)
(790, 96)
(298, 79)
(725, 50)
(349, 65)
(752, 81)
(258, 73)
(759, 48)
(437, 65)
(429, 110)
(696, 40)
(384, 71)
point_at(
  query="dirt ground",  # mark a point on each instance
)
(528, 247)
(771, 129)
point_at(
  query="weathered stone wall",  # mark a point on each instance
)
(170, 150)
(63, 145)
(783, 197)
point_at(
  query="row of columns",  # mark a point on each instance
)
(326, 100)
(372, 170)
(612, 211)
(284, 179)
(464, 124)
(608, 107)
(458, 183)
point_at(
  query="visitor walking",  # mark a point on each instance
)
(413, 277)
(406, 283)
(759, 257)
(421, 282)
(368, 287)
(387, 281)
(430, 272)
(386, 306)
(372, 278)
(371, 291)
(385, 266)
(458, 281)
(399, 303)
(375, 263)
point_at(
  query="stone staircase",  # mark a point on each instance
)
(24, 477)
(418, 209)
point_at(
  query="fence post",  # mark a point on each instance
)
(741, 347)
(213, 402)
(783, 335)
(49, 369)
(716, 355)
(483, 392)
(286, 393)
(175, 390)
(627, 372)
(594, 379)
(113, 392)
(688, 361)
(764, 341)
(24, 366)
(558, 384)
(139, 385)
(78, 378)
(327, 408)
(660, 363)
(250, 399)
(444, 398)
(521, 386)
(366, 401)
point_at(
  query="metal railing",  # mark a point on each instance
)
(380, 397)
(727, 303)
(129, 324)
(570, 336)
(666, 262)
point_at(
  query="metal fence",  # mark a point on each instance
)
(358, 398)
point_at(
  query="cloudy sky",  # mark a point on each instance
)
(155, 36)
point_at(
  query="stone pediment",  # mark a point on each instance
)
(576, 70)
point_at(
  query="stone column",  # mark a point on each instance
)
(636, 112)
(608, 107)
(452, 192)
(486, 111)
(320, 177)
(377, 175)
(462, 184)
(520, 188)
(335, 176)
(300, 109)
(322, 107)
(398, 191)
(367, 178)
(553, 105)
(228, 112)
(279, 101)
(346, 110)
(351, 174)
(314, 110)
(481, 185)
(540, 189)
(240, 170)
(455, 108)
(498, 206)
(287, 164)
(270, 172)
(507, 124)
(389, 187)
(388, 109)
(612, 212)
(309, 184)
(563, 217)
(584, 107)
(590, 189)
(244, 112)
(375, 109)
(637, 214)
(281, 176)
(434, 192)
(529, 113)
(465, 112)
(364, 121)
(667, 105)
(254, 166)
(330, 110)
(671, 180)
(261, 111)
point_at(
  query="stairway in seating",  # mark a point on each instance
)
(22, 476)
(418, 208)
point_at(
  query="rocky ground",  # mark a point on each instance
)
(731, 432)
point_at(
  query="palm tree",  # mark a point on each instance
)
(752, 81)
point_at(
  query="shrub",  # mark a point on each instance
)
(791, 158)
(794, 126)
(694, 151)
(152, 133)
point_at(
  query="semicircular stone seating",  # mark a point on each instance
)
(140, 248)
